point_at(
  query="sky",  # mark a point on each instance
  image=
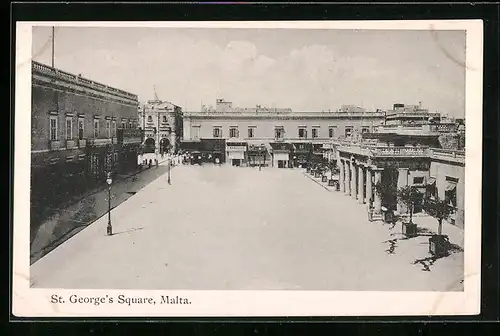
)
(301, 69)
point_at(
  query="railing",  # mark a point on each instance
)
(54, 144)
(456, 155)
(70, 144)
(399, 151)
(82, 143)
(383, 151)
(45, 69)
(291, 114)
(100, 142)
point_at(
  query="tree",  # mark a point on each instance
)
(408, 196)
(440, 210)
(384, 191)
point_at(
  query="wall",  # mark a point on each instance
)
(440, 170)
(45, 100)
(265, 127)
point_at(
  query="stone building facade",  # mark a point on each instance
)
(267, 127)
(80, 130)
(162, 125)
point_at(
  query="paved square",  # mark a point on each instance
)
(241, 228)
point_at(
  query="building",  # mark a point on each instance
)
(402, 114)
(162, 125)
(270, 128)
(399, 155)
(80, 131)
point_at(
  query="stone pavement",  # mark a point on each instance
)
(221, 227)
(426, 223)
(72, 218)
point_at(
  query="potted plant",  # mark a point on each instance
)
(384, 191)
(439, 209)
(408, 196)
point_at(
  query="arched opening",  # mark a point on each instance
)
(164, 145)
(149, 145)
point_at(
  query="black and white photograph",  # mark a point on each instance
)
(230, 168)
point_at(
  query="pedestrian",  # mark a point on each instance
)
(150, 163)
(370, 210)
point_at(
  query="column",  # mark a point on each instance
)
(342, 175)
(361, 196)
(354, 192)
(347, 180)
(402, 182)
(377, 203)
(369, 188)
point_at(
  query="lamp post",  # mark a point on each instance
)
(169, 168)
(109, 228)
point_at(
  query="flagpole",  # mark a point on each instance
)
(53, 35)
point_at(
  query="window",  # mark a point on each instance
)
(108, 128)
(165, 119)
(331, 131)
(196, 132)
(53, 128)
(279, 132)
(130, 124)
(150, 119)
(217, 132)
(123, 124)
(114, 128)
(348, 132)
(450, 192)
(302, 132)
(315, 132)
(96, 128)
(251, 132)
(233, 132)
(418, 180)
(80, 128)
(69, 129)
(365, 130)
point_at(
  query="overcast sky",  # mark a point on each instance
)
(306, 70)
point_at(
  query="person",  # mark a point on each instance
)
(370, 210)
(217, 160)
(150, 163)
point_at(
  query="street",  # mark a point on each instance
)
(230, 228)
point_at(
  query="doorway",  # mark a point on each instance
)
(236, 162)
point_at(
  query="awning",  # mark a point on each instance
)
(450, 186)
(431, 181)
(236, 155)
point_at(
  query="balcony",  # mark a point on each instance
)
(82, 143)
(383, 151)
(54, 145)
(100, 142)
(70, 144)
(457, 156)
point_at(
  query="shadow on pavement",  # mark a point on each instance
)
(65, 222)
(128, 231)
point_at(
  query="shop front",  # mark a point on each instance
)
(281, 154)
(257, 155)
(235, 153)
(301, 154)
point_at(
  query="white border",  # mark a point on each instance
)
(27, 302)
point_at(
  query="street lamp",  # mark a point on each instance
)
(169, 168)
(109, 180)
